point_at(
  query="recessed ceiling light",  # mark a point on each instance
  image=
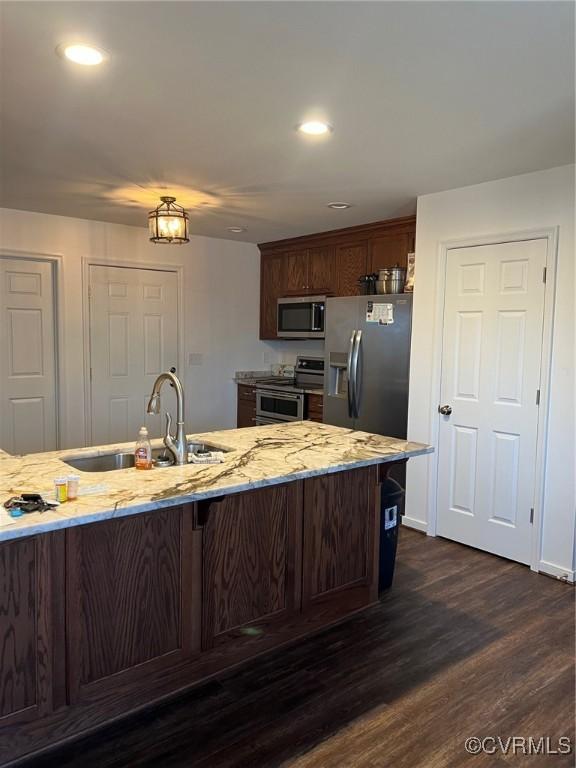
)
(315, 128)
(236, 230)
(80, 53)
(339, 206)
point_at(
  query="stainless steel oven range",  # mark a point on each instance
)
(283, 400)
(278, 405)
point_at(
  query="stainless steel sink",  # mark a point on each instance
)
(107, 462)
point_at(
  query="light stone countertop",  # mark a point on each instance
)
(258, 456)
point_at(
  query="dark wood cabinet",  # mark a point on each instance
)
(101, 619)
(309, 272)
(131, 606)
(329, 263)
(28, 592)
(390, 250)
(339, 538)
(315, 407)
(351, 263)
(322, 272)
(246, 409)
(295, 273)
(251, 555)
(271, 288)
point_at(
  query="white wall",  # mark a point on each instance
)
(221, 298)
(531, 201)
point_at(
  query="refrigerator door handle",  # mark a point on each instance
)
(350, 375)
(355, 358)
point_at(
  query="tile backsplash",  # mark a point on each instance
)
(283, 369)
(286, 351)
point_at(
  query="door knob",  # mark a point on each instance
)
(445, 410)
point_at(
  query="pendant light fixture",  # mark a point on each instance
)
(168, 223)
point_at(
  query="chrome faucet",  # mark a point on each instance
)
(178, 445)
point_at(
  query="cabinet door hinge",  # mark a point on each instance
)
(544, 275)
(531, 515)
(537, 397)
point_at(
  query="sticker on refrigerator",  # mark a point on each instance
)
(383, 314)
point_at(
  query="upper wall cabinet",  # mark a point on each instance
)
(271, 289)
(329, 263)
(309, 271)
(351, 262)
(322, 271)
(390, 250)
(295, 273)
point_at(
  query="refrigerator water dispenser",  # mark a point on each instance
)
(338, 374)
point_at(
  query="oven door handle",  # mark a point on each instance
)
(350, 375)
(261, 421)
(277, 395)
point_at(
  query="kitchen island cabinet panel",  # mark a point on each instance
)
(27, 587)
(340, 528)
(130, 603)
(192, 571)
(251, 556)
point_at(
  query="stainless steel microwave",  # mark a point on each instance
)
(301, 317)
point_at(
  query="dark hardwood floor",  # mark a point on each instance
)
(464, 644)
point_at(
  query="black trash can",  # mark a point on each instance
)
(391, 511)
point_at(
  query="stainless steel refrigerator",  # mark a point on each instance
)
(367, 359)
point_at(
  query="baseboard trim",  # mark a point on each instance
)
(551, 569)
(412, 522)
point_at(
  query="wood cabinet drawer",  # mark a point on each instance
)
(246, 410)
(247, 392)
(315, 407)
(246, 414)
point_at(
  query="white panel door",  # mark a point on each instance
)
(28, 415)
(493, 317)
(133, 338)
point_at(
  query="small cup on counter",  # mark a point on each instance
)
(72, 487)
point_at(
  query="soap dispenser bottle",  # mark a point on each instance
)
(143, 451)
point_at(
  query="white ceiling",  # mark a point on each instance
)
(204, 96)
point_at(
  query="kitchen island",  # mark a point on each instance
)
(155, 580)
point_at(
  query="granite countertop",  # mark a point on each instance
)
(258, 456)
(253, 381)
